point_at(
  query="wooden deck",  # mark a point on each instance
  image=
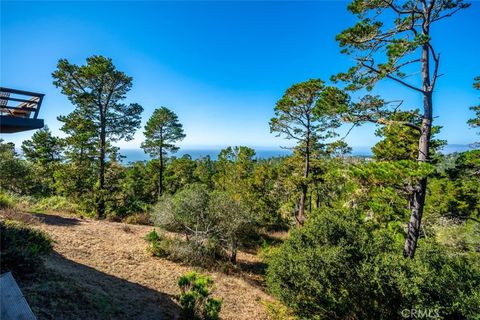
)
(19, 110)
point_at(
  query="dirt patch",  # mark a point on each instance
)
(65, 289)
(106, 265)
(14, 214)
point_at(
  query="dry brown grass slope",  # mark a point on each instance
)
(101, 270)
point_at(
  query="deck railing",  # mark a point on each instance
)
(19, 103)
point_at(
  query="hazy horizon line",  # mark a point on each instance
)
(216, 147)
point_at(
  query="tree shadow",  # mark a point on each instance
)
(253, 272)
(256, 267)
(64, 289)
(55, 220)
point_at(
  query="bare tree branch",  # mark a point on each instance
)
(448, 14)
(393, 78)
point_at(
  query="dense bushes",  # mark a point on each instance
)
(38, 204)
(6, 200)
(454, 192)
(195, 297)
(191, 252)
(17, 175)
(138, 218)
(21, 247)
(57, 204)
(338, 267)
(214, 224)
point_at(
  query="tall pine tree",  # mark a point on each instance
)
(97, 90)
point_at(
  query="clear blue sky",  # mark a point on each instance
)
(221, 66)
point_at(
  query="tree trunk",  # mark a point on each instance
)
(301, 206)
(101, 178)
(234, 249)
(160, 176)
(417, 200)
(310, 202)
(301, 217)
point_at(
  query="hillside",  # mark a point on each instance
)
(101, 270)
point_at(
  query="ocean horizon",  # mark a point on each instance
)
(133, 155)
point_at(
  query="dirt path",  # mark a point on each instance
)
(109, 261)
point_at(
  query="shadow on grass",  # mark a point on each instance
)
(55, 220)
(252, 272)
(257, 268)
(64, 289)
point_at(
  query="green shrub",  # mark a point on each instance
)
(138, 218)
(195, 297)
(277, 311)
(152, 236)
(214, 223)
(267, 251)
(56, 204)
(206, 254)
(186, 211)
(11, 200)
(22, 247)
(338, 267)
(461, 237)
(17, 175)
(191, 252)
(158, 246)
(6, 201)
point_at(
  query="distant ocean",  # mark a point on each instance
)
(132, 155)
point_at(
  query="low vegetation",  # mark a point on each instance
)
(214, 224)
(327, 269)
(195, 297)
(6, 201)
(203, 254)
(22, 247)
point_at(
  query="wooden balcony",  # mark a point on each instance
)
(19, 110)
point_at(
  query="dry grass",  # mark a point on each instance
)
(14, 214)
(112, 276)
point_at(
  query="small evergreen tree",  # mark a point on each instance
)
(161, 132)
(302, 115)
(45, 151)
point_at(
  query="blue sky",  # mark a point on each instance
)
(221, 66)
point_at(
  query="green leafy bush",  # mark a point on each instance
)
(185, 212)
(6, 201)
(16, 175)
(204, 254)
(138, 218)
(215, 224)
(195, 297)
(454, 193)
(277, 311)
(152, 236)
(461, 237)
(11, 200)
(56, 204)
(22, 247)
(338, 267)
